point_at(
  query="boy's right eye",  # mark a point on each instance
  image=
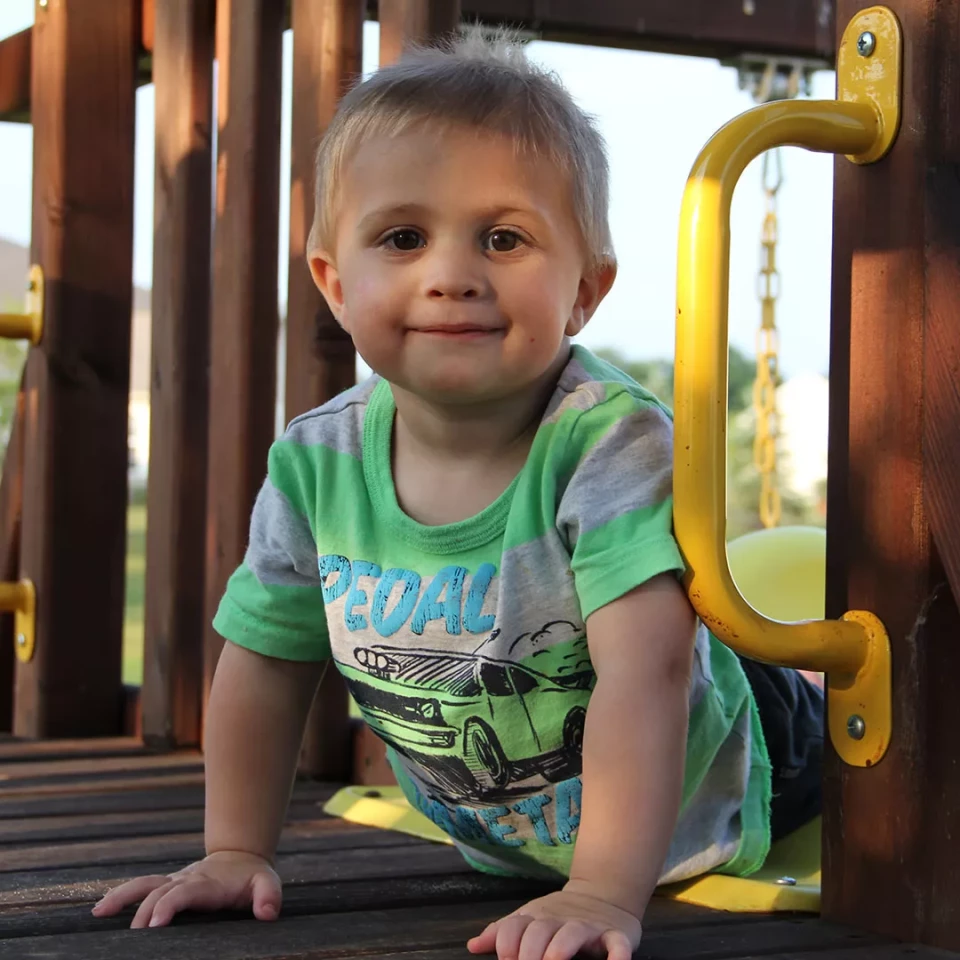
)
(404, 240)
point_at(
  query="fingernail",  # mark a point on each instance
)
(154, 922)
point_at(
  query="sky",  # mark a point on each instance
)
(655, 111)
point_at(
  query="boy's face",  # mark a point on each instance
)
(458, 268)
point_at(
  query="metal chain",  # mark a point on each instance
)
(768, 347)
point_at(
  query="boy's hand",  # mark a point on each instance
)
(559, 925)
(226, 880)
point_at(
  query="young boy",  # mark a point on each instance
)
(480, 537)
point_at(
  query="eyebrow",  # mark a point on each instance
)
(414, 211)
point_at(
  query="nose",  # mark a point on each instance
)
(452, 274)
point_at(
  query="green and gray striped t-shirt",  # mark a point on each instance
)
(464, 644)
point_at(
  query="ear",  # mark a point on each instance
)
(327, 278)
(594, 286)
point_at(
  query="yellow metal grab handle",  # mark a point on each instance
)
(27, 325)
(862, 123)
(20, 599)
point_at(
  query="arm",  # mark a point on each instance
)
(634, 742)
(255, 722)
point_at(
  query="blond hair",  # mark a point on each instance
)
(486, 83)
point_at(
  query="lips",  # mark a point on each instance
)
(459, 330)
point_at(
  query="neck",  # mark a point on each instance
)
(476, 431)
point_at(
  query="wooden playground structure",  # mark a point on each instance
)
(99, 782)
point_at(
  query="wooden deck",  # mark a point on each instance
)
(77, 817)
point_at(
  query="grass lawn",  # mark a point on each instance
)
(133, 604)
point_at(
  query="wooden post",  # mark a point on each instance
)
(11, 506)
(77, 381)
(176, 499)
(320, 359)
(244, 314)
(891, 836)
(414, 21)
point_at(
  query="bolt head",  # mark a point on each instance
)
(866, 43)
(856, 728)
(21, 640)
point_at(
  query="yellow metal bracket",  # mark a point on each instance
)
(861, 123)
(20, 599)
(29, 324)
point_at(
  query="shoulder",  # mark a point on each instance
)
(336, 424)
(596, 405)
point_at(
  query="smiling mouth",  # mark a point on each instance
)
(460, 331)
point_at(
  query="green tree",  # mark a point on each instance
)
(657, 375)
(743, 479)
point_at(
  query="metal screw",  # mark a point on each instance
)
(856, 728)
(21, 640)
(786, 881)
(866, 43)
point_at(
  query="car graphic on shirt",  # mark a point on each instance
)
(481, 728)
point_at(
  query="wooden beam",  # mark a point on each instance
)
(706, 28)
(11, 509)
(414, 21)
(77, 381)
(244, 323)
(180, 350)
(15, 75)
(320, 359)
(891, 843)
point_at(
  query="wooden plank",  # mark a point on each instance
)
(109, 826)
(176, 493)
(354, 895)
(320, 359)
(941, 398)
(15, 60)
(329, 935)
(32, 750)
(379, 932)
(414, 21)
(63, 770)
(77, 381)
(159, 795)
(318, 860)
(244, 320)
(298, 839)
(891, 846)
(76, 788)
(11, 510)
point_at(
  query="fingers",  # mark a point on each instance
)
(116, 899)
(617, 944)
(569, 939)
(486, 941)
(536, 939)
(144, 915)
(267, 896)
(509, 935)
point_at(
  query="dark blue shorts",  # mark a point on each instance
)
(791, 713)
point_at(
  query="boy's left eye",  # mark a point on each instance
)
(502, 241)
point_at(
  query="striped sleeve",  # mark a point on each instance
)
(616, 510)
(273, 603)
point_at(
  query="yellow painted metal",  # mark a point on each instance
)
(29, 324)
(874, 79)
(20, 599)
(854, 653)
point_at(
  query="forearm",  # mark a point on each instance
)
(253, 731)
(633, 760)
